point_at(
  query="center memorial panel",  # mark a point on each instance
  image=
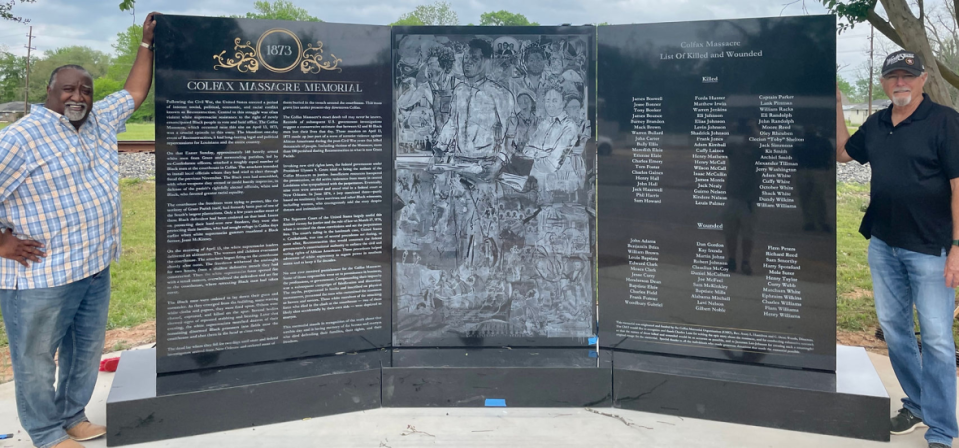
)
(494, 205)
(717, 187)
(273, 180)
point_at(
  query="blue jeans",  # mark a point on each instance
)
(901, 279)
(71, 318)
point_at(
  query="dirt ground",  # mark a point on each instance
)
(865, 339)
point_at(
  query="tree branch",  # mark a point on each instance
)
(887, 30)
(884, 27)
(922, 11)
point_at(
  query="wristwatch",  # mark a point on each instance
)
(147, 46)
(955, 242)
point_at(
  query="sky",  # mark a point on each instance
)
(95, 23)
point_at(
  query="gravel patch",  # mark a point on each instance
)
(853, 172)
(137, 164)
(143, 166)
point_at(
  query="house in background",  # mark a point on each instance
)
(856, 114)
(12, 111)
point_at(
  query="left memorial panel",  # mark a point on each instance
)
(273, 186)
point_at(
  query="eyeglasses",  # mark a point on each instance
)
(896, 78)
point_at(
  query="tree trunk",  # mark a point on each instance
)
(913, 34)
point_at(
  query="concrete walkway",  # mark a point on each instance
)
(487, 427)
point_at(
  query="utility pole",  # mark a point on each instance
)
(872, 32)
(26, 87)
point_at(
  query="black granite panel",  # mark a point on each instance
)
(273, 187)
(717, 187)
(856, 405)
(209, 379)
(494, 204)
(135, 414)
(497, 377)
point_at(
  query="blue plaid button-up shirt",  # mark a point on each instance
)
(60, 186)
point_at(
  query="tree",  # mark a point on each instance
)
(846, 88)
(12, 77)
(905, 29)
(505, 18)
(6, 11)
(279, 10)
(438, 13)
(408, 20)
(125, 52)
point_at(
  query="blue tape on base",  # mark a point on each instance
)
(495, 403)
(593, 340)
(593, 354)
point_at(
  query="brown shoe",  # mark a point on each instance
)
(86, 431)
(68, 444)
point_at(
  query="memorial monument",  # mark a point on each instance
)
(350, 216)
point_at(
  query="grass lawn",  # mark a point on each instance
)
(135, 131)
(138, 131)
(855, 310)
(133, 279)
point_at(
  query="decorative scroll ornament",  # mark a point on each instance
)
(245, 58)
(313, 60)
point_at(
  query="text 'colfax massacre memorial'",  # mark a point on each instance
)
(353, 216)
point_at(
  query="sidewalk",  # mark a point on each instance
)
(487, 427)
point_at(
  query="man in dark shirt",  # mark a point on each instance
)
(913, 148)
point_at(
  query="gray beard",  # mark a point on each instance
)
(902, 102)
(74, 115)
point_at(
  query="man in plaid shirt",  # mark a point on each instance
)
(60, 221)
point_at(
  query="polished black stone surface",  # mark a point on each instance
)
(851, 402)
(490, 256)
(521, 377)
(237, 397)
(273, 187)
(716, 143)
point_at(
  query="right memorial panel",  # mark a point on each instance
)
(716, 189)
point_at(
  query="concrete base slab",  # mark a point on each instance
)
(497, 377)
(144, 408)
(850, 403)
(485, 427)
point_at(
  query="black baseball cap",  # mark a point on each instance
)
(903, 60)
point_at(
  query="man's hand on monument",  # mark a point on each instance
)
(952, 268)
(149, 26)
(14, 248)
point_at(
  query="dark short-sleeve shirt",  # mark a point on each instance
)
(912, 163)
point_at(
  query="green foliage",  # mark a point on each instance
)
(853, 11)
(6, 10)
(127, 5)
(505, 18)
(12, 74)
(408, 20)
(437, 13)
(845, 88)
(278, 10)
(126, 48)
